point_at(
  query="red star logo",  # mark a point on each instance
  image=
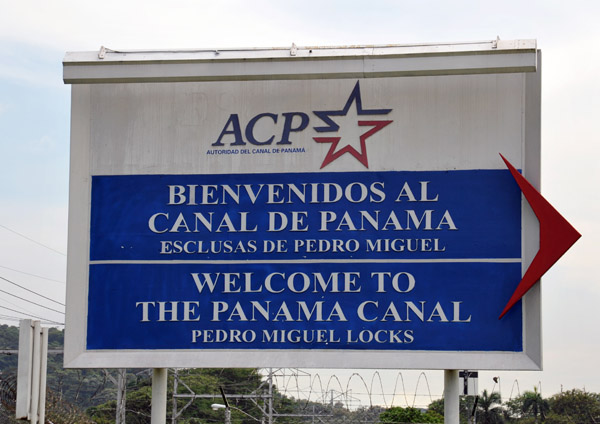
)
(333, 153)
(334, 150)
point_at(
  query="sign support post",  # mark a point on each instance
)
(159, 396)
(31, 378)
(451, 397)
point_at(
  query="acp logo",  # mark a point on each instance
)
(329, 127)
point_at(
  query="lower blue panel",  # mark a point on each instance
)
(416, 306)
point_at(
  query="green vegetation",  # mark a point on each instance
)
(489, 408)
(570, 407)
(234, 381)
(410, 415)
(89, 396)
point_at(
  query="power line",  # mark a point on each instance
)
(31, 291)
(9, 318)
(32, 275)
(34, 316)
(17, 319)
(32, 240)
(22, 309)
(30, 301)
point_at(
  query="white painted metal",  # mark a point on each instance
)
(35, 373)
(505, 123)
(324, 359)
(32, 372)
(78, 235)
(530, 243)
(445, 112)
(25, 363)
(451, 397)
(265, 53)
(277, 63)
(43, 375)
(159, 396)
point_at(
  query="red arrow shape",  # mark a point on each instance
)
(556, 237)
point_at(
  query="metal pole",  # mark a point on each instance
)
(175, 384)
(159, 396)
(25, 368)
(451, 397)
(35, 373)
(265, 410)
(474, 412)
(43, 372)
(227, 416)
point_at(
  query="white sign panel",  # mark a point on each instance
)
(254, 209)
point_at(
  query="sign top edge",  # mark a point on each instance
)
(105, 55)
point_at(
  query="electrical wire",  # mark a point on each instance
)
(9, 318)
(17, 319)
(34, 316)
(30, 291)
(32, 240)
(32, 275)
(22, 309)
(32, 302)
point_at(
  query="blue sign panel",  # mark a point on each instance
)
(363, 260)
(360, 215)
(304, 306)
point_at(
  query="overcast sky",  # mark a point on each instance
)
(34, 137)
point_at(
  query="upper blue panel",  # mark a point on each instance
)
(366, 215)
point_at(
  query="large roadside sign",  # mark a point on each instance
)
(319, 207)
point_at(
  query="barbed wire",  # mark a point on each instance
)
(308, 387)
